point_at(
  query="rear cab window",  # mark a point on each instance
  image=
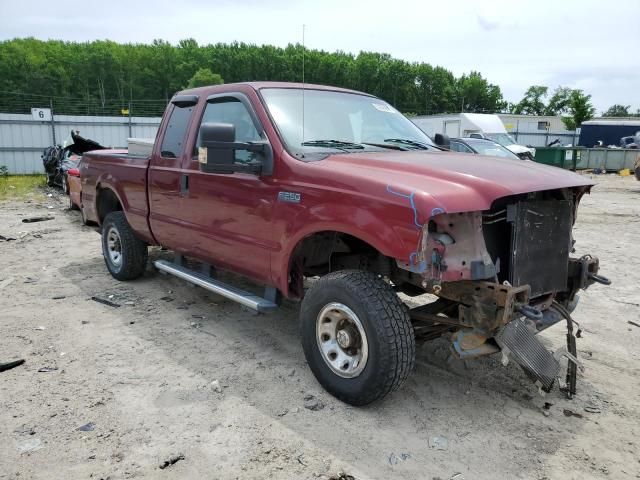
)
(176, 132)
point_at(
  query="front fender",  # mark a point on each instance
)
(398, 239)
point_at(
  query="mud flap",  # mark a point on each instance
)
(520, 343)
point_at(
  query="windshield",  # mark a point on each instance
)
(484, 147)
(503, 139)
(339, 121)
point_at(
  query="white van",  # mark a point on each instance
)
(474, 125)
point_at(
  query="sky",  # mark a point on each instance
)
(587, 44)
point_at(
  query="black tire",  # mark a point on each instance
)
(51, 180)
(133, 252)
(386, 323)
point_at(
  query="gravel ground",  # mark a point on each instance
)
(180, 383)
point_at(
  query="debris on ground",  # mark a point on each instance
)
(312, 403)
(438, 442)
(171, 461)
(6, 282)
(105, 301)
(30, 445)
(40, 328)
(591, 408)
(47, 369)
(393, 458)
(25, 430)
(87, 427)
(216, 386)
(9, 365)
(58, 297)
(6, 239)
(342, 476)
(633, 323)
(36, 219)
(571, 413)
(283, 412)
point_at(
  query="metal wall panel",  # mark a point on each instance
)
(22, 139)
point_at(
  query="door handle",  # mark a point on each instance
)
(184, 184)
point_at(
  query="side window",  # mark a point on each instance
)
(459, 147)
(231, 110)
(174, 135)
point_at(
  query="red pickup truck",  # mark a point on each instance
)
(333, 198)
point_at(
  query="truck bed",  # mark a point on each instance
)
(126, 176)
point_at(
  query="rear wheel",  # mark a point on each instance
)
(357, 336)
(124, 254)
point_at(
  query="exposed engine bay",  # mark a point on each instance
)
(502, 276)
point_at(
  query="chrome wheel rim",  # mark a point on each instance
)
(342, 340)
(114, 247)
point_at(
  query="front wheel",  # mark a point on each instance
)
(124, 254)
(357, 336)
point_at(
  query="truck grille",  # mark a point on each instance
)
(530, 242)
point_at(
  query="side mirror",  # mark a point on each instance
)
(218, 151)
(442, 140)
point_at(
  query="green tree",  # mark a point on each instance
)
(579, 109)
(559, 101)
(104, 77)
(532, 103)
(204, 77)
(476, 94)
(617, 110)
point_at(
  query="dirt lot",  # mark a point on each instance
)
(176, 373)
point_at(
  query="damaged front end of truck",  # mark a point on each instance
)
(502, 276)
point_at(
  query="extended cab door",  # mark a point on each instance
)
(165, 182)
(230, 215)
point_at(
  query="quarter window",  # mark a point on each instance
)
(174, 136)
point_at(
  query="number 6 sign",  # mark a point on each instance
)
(43, 114)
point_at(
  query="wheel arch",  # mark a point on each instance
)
(107, 201)
(314, 250)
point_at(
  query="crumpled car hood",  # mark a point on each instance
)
(446, 181)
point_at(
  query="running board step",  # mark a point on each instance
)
(255, 302)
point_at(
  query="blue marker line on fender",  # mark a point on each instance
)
(413, 206)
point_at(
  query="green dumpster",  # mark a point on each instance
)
(551, 156)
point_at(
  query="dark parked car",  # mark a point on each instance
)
(481, 147)
(58, 160)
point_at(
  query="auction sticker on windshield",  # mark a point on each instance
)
(384, 107)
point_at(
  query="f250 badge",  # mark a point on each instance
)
(289, 197)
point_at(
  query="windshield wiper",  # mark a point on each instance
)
(339, 144)
(388, 146)
(413, 143)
